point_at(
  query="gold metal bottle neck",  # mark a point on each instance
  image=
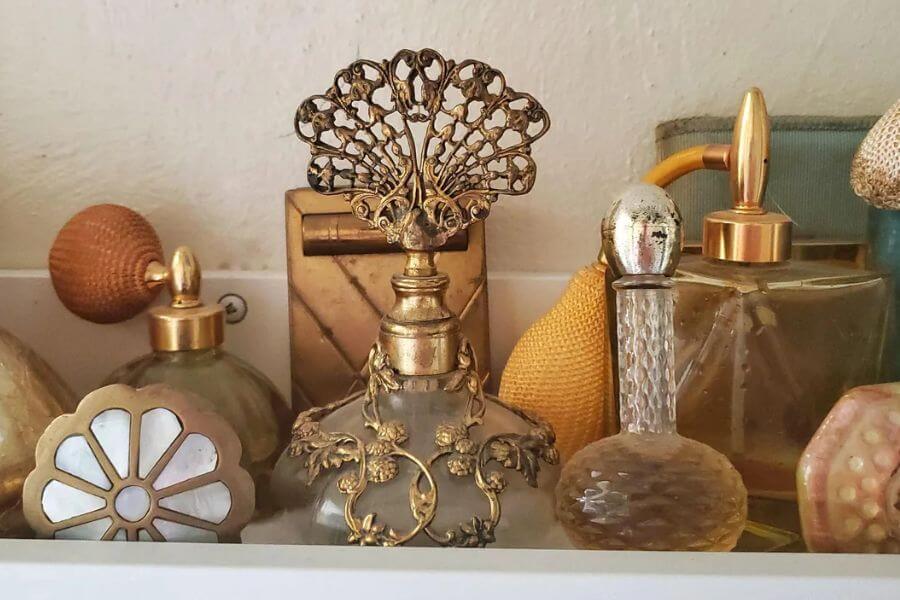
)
(747, 232)
(186, 323)
(420, 335)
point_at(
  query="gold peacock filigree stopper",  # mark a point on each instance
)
(421, 146)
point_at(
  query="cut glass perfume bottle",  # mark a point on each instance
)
(107, 266)
(648, 488)
(765, 344)
(420, 146)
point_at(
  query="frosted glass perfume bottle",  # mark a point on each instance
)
(107, 266)
(423, 456)
(648, 488)
(766, 344)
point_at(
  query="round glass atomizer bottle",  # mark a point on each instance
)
(107, 266)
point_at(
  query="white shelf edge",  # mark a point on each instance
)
(39, 568)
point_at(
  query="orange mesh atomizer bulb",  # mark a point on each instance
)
(107, 266)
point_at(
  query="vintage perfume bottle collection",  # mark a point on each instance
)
(672, 400)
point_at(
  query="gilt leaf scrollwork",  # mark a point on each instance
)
(421, 146)
(456, 451)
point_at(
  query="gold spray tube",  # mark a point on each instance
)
(704, 156)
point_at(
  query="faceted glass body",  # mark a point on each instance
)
(762, 354)
(314, 510)
(646, 491)
(233, 389)
(647, 488)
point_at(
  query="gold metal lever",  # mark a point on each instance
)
(333, 234)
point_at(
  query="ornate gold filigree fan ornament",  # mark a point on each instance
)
(420, 146)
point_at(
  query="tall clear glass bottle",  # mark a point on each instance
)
(648, 488)
(765, 344)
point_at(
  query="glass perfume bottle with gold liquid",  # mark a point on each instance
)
(420, 146)
(767, 344)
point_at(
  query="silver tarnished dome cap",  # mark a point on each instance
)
(642, 232)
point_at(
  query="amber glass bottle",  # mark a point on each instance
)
(766, 344)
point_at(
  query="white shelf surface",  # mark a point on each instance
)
(75, 570)
(95, 570)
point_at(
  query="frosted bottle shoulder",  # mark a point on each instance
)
(314, 507)
(230, 387)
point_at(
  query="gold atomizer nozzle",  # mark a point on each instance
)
(746, 232)
(186, 323)
(106, 265)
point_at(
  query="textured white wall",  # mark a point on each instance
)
(184, 109)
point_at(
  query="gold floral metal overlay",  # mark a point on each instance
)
(420, 145)
(376, 460)
(139, 465)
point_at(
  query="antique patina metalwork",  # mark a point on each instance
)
(475, 143)
(139, 465)
(337, 269)
(420, 147)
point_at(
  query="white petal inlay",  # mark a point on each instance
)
(61, 502)
(86, 531)
(144, 536)
(176, 532)
(120, 536)
(196, 456)
(112, 429)
(75, 457)
(159, 428)
(212, 502)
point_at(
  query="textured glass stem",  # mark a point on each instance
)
(646, 359)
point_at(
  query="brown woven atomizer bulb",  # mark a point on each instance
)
(107, 266)
(100, 260)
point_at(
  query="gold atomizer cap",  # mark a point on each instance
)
(186, 323)
(106, 266)
(747, 232)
